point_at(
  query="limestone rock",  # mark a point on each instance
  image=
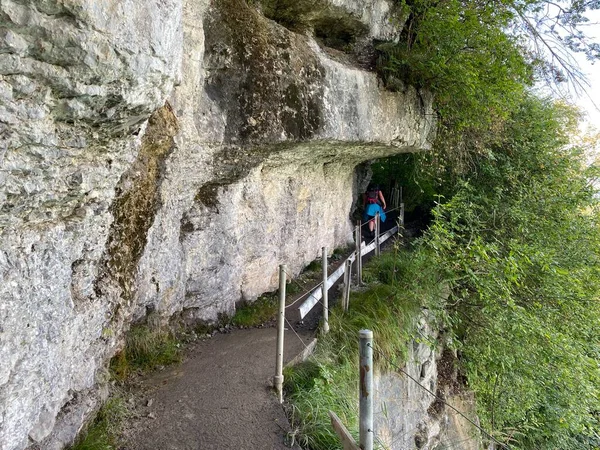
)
(408, 415)
(164, 156)
(77, 79)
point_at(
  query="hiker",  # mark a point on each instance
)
(372, 201)
(374, 195)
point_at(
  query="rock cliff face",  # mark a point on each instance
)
(166, 156)
(409, 416)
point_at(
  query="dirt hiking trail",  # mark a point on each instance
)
(219, 398)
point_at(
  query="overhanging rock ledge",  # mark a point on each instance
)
(164, 156)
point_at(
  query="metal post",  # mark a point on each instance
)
(357, 244)
(324, 290)
(346, 286)
(358, 254)
(347, 281)
(278, 380)
(377, 249)
(366, 390)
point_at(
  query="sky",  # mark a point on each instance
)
(588, 101)
(592, 72)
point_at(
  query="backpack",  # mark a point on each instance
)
(373, 195)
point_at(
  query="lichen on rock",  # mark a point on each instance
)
(266, 77)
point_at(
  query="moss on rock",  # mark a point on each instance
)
(137, 201)
(271, 81)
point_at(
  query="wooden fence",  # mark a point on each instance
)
(320, 293)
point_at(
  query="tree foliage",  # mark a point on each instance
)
(480, 57)
(519, 243)
(460, 51)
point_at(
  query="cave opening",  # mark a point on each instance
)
(408, 175)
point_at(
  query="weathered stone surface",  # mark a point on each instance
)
(382, 17)
(339, 21)
(409, 416)
(239, 212)
(113, 203)
(76, 79)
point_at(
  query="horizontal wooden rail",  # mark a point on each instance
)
(317, 293)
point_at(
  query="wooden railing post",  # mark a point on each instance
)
(348, 442)
(377, 248)
(357, 241)
(325, 293)
(366, 390)
(278, 380)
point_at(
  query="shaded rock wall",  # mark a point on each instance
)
(275, 120)
(162, 156)
(78, 80)
(407, 416)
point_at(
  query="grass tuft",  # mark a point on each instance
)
(315, 265)
(256, 313)
(147, 347)
(264, 308)
(103, 432)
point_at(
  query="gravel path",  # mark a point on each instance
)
(219, 398)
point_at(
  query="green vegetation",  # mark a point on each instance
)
(256, 313)
(519, 245)
(515, 244)
(515, 237)
(479, 59)
(398, 282)
(462, 53)
(104, 431)
(516, 240)
(147, 347)
(406, 169)
(265, 307)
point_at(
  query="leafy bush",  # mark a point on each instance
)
(460, 51)
(328, 381)
(519, 244)
(479, 59)
(406, 169)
